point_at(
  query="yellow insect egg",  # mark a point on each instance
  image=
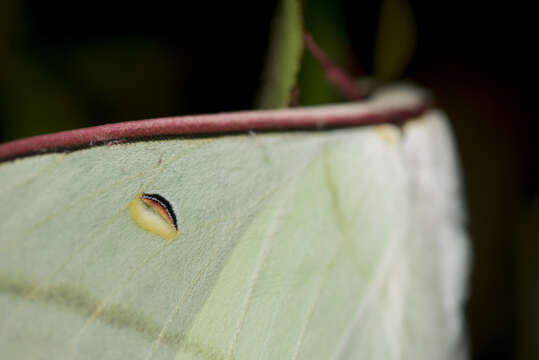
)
(154, 213)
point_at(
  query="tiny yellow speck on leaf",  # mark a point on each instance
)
(389, 133)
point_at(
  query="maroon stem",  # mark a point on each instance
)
(340, 78)
(320, 117)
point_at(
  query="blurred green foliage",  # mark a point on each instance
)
(284, 55)
(395, 39)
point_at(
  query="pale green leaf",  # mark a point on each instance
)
(339, 244)
(284, 56)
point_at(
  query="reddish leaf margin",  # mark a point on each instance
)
(301, 118)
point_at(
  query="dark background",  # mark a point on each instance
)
(66, 64)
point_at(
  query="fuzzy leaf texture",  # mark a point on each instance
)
(336, 244)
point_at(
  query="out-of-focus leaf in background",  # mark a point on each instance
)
(395, 43)
(97, 66)
(284, 56)
(145, 72)
(31, 100)
(38, 101)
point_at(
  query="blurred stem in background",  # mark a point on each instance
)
(324, 21)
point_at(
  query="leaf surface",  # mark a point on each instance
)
(332, 244)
